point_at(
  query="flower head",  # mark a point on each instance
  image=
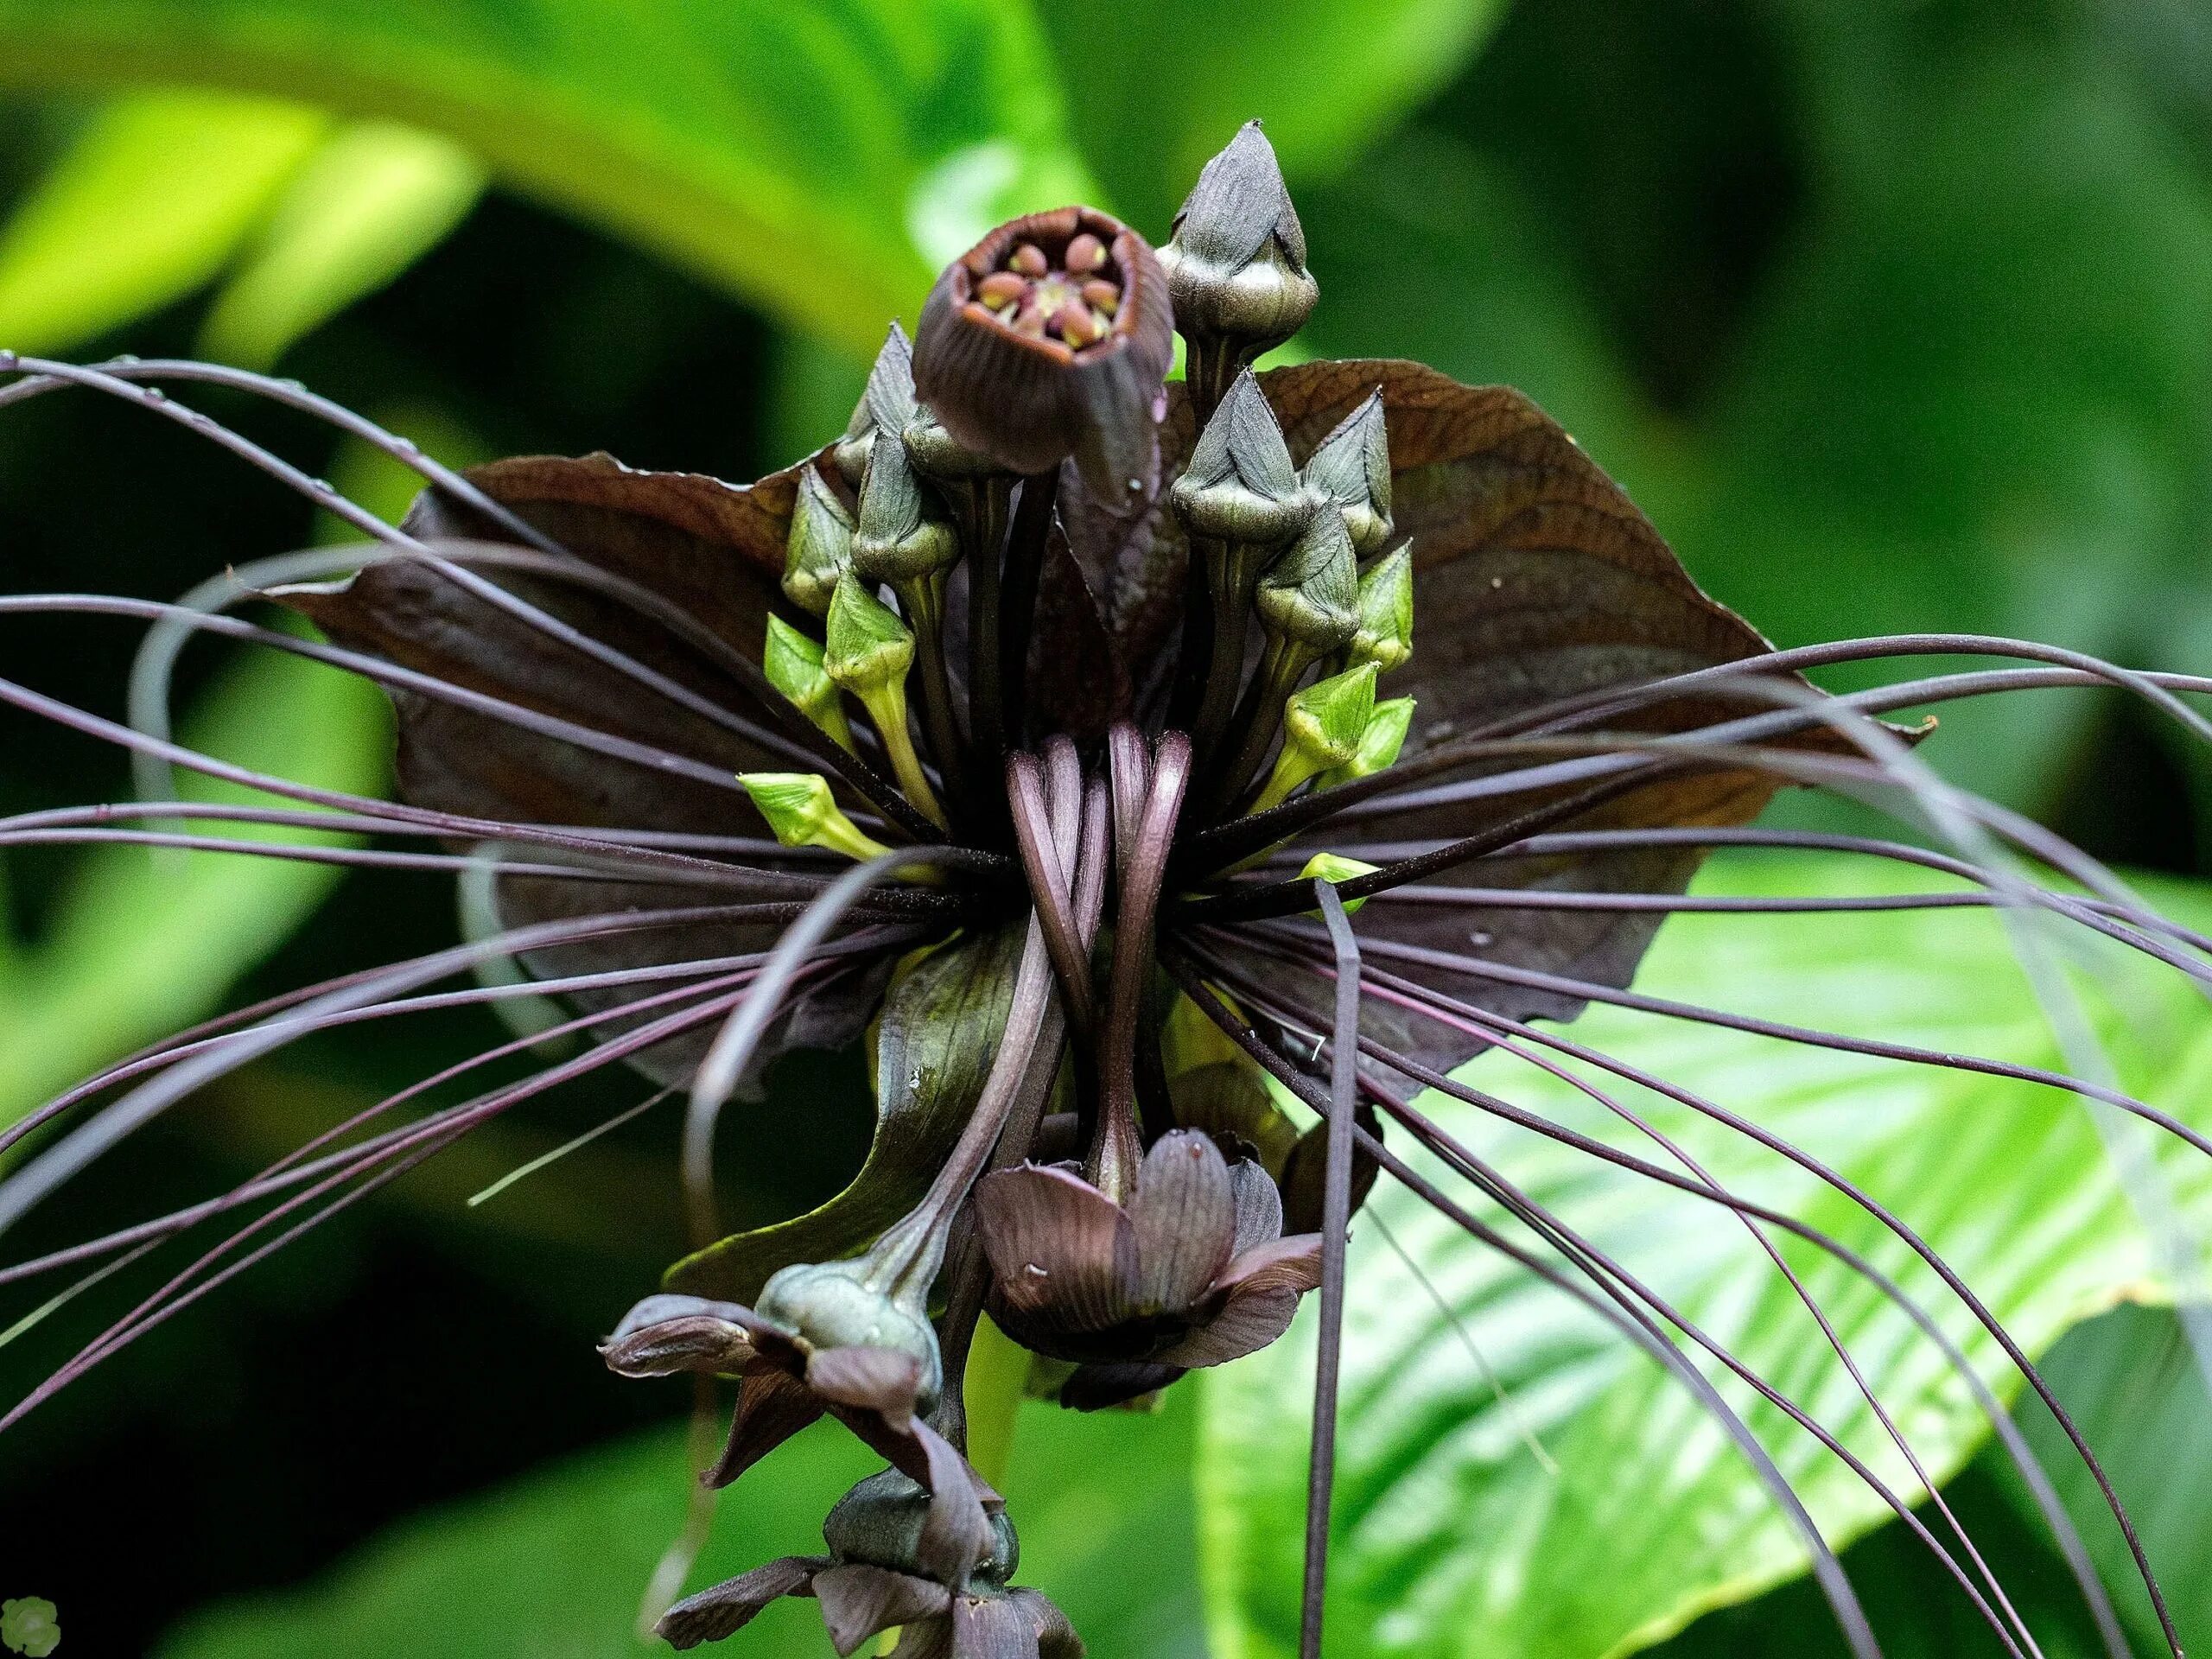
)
(1236, 263)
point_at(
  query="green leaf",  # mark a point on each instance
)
(554, 1565)
(143, 945)
(783, 148)
(936, 1039)
(1327, 80)
(1452, 1536)
(150, 202)
(373, 200)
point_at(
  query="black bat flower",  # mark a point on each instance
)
(1046, 728)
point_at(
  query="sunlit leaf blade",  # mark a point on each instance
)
(1450, 1538)
(553, 1564)
(150, 201)
(374, 200)
(143, 945)
(1326, 78)
(775, 146)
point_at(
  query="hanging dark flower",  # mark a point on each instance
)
(1341, 714)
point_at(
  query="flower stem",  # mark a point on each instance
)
(924, 603)
(1232, 575)
(886, 707)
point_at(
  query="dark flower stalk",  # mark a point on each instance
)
(1177, 817)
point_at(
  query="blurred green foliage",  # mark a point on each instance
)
(1892, 314)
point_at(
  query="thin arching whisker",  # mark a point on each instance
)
(1444, 1147)
(1618, 1307)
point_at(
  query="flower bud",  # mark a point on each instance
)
(1239, 485)
(899, 539)
(1334, 869)
(1378, 745)
(1384, 635)
(802, 812)
(1236, 262)
(880, 1522)
(935, 454)
(1352, 468)
(1322, 726)
(868, 647)
(1051, 337)
(830, 1305)
(820, 547)
(885, 406)
(793, 662)
(1309, 595)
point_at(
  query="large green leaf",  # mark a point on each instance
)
(143, 944)
(791, 149)
(149, 201)
(1161, 85)
(1452, 1537)
(554, 1564)
(374, 200)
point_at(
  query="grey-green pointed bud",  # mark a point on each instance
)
(937, 454)
(868, 647)
(900, 536)
(1240, 485)
(879, 1523)
(1384, 636)
(1309, 595)
(885, 406)
(1237, 262)
(819, 549)
(1352, 468)
(1378, 745)
(832, 1305)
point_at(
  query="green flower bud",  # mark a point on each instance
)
(832, 1305)
(1322, 726)
(868, 647)
(793, 662)
(1384, 636)
(820, 547)
(1335, 868)
(900, 539)
(885, 406)
(1378, 745)
(1308, 597)
(937, 454)
(802, 812)
(1352, 468)
(879, 1523)
(1240, 485)
(1236, 263)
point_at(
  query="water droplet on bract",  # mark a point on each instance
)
(127, 360)
(154, 395)
(1135, 485)
(408, 446)
(1480, 939)
(290, 385)
(6, 360)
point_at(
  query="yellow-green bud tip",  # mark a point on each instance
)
(801, 812)
(868, 647)
(793, 662)
(1328, 718)
(1379, 744)
(1335, 868)
(1384, 633)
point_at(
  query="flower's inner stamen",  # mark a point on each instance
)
(1117, 1145)
(1069, 294)
(1602, 1267)
(1608, 1299)
(1336, 1224)
(1444, 1146)
(1050, 889)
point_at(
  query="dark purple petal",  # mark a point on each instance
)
(992, 1627)
(957, 1534)
(1258, 1205)
(1097, 1388)
(771, 1407)
(665, 1334)
(881, 1380)
(1183, 1213)
(1062, 1255)
(860, 1602)
(1248, 1322)
(1056, 1637)
(729, 1607)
